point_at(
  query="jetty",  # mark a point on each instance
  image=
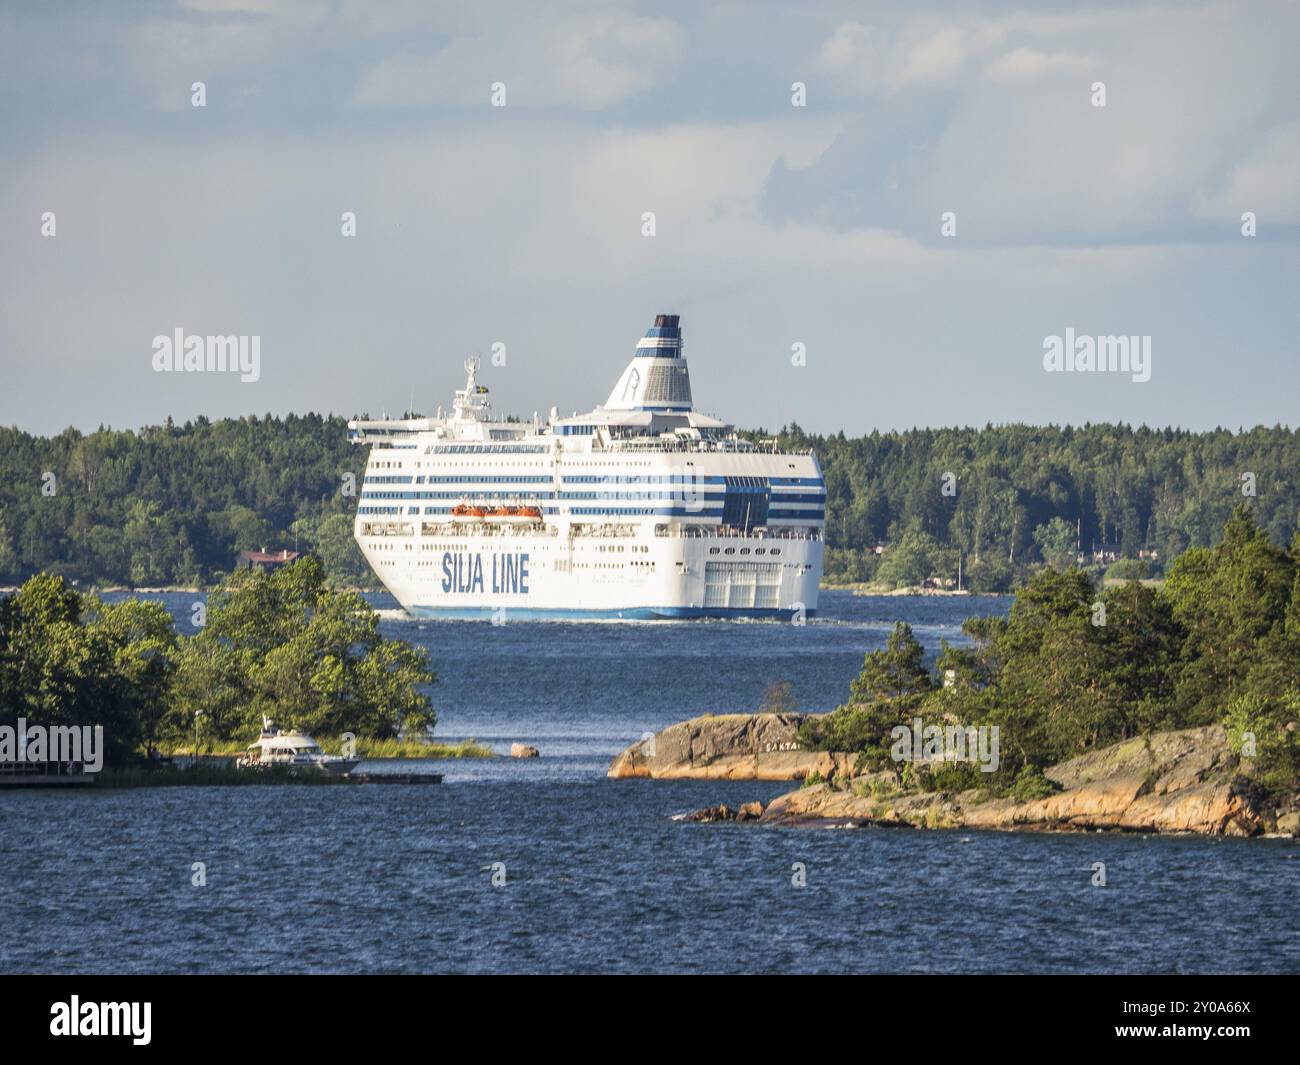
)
(395, 778)
(44, 775)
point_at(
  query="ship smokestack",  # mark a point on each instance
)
(657, 378)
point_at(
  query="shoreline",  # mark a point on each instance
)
(1185, 781)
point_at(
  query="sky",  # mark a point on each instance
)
(799, 232)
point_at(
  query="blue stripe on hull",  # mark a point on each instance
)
(634, 613)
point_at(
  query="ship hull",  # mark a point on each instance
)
(519, 577)
(632, 613)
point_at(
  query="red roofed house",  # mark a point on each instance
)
(264, 560)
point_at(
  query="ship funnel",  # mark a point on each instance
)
(657, 378)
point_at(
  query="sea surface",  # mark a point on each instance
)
(594, 875)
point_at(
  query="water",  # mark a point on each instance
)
(598, 875)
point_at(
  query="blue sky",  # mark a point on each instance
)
(775, 224)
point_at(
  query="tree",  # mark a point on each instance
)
(1266, 733)
(916, 556)
(308, 656)
(69, 660)
(895, 671)
(1232, 600)
(332, 542)
(1056, 543)
(144, 648)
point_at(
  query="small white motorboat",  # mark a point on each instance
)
(295, 749)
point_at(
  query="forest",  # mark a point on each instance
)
(1074, 667)
(1005, 500)
(172, 505)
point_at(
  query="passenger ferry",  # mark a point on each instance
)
(642, 508)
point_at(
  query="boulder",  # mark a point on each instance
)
(711, 814)
(729, 747)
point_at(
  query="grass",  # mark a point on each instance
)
(395, 748)
(365, 748)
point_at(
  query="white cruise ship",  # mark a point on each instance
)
(641, 509)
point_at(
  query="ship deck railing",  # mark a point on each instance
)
(696, 532)
(695, 446)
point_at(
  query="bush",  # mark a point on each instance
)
(1127, 569)
(1264, 733)
(1030, 784)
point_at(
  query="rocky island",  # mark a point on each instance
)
(1187, 780)
(1124, 707)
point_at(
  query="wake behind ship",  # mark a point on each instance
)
(642, 508)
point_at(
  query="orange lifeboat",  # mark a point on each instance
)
(515, 515)
(467, 512)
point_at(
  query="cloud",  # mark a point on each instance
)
(1266, 182)
(775, 224)
(870, 59)
(1024, 66)
(992, 119)
(589, 61)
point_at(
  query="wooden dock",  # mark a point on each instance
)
(43, 775)
(396, 778)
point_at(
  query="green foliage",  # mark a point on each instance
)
(991, 574)
(173, 505)
(1128, 569)
(395, 747)
(886, 693)
(1030, 784)
(914, 557)
(1266, 732)
(859, 727)
(286, 645)
(952, 777)
(1233, 600)
(1056, 542)
(896, 671)
(1123, 488)
(66, 659)
(282, 644)
(1069, 670)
